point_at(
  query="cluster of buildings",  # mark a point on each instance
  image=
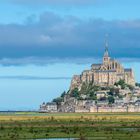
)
(130, 102)
(103, 75)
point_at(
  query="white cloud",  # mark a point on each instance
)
(45, 39)
(56, 2)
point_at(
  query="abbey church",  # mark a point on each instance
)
(105, 74)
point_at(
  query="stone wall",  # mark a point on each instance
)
(115, 109)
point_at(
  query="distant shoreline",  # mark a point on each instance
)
(12, 111)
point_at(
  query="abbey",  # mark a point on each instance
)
(105, 74)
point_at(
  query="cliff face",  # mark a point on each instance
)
(76, 82)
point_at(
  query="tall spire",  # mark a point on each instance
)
(106, 58)
(106, 46)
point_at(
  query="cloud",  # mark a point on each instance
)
(53, 36)
(45, 61)
(45, 38)
(34, 78)
(55, 2)
(72, 3)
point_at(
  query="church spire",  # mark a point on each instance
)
(106, 54)
(106, 57)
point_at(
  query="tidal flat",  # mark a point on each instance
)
(33, 125)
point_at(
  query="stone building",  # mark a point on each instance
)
(48, 107)
(105, 74)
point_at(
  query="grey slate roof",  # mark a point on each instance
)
(105, 71)
(127, 70)
(51, 103)
(96, 64)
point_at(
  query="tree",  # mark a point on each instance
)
(111, 99)
(138, 84)
(122, 83)
(58, 100)
(111, 92)
(87, 88)
(75, 93)
(63, 94)
(92, 95)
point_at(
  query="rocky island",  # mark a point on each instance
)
(106, 87)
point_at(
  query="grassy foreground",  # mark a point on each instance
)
(101, 126)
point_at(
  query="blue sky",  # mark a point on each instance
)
(44, 42)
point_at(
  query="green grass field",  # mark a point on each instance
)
(32, 125)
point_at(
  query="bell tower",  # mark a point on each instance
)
(106, 58)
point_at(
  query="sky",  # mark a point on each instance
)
(44, 42)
